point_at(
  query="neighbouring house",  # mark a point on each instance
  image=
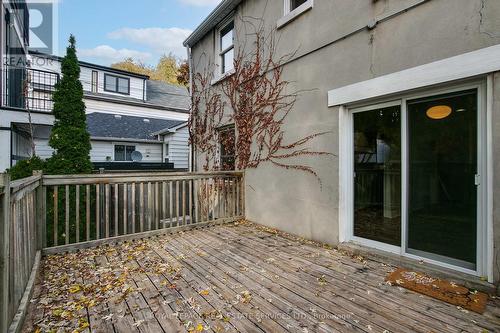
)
(114, 138)
(122, 98)
(408, 93)
(123, 111)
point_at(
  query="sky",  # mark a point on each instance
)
(108, 31)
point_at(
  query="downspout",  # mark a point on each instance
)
(193, 166)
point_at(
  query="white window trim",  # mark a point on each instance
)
(222, 77)
(485, 257)
(218, 75)
(292, 15)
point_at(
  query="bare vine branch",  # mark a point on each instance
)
(257, 100)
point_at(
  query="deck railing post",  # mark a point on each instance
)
(4, 251)
(40, 216)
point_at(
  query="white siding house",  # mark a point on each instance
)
(125, 111)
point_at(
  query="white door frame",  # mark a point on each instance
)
(484, 260)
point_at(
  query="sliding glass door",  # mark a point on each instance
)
(433, 141)
(442, 195)
(377, 175)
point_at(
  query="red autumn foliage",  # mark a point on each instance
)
(256, 99)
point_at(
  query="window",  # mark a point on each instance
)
(117, 84)
(226, 47)
(294, 9)
(227, 144)
(296, 3)
(95, 76)
(123, 152)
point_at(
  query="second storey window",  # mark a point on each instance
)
(116, 84)
(293, 9)
(296, 3)
(226, 47)
(123, 152)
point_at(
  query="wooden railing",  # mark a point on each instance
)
(50, 214)
(87, 210)
(20, 240)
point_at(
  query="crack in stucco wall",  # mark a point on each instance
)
(482, 28)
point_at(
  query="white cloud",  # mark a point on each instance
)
(161, 40)
(201, 3)
(109, 54)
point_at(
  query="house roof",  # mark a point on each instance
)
(90, 65)
(212, 20)
(165, 94)
(107, 125)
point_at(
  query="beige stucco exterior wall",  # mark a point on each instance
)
(294, 201)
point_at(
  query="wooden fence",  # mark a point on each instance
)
(50, 214)
(20, 245)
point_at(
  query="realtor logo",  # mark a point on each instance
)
(42, 25)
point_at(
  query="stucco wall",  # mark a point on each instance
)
(292, 200)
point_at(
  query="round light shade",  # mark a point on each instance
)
(439, 112)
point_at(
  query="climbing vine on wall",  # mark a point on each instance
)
(257, 100)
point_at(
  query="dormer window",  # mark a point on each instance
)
(226, 47)
(116, 84)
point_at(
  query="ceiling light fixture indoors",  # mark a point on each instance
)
(439, 112)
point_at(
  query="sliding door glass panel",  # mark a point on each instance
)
(442, 153)
(377, 181)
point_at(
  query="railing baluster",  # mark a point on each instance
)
(77, 212)
(211, 200)
(133, 207)
(117, 212)
(150, 204)
(177, 199)
(157, 207)
(125, 217)
(56, 214)
(97, 211)
(190, 201)
(66, 213)
(44, 217)
(237, 197)
(224, 199)
(141, 207)
(233, 199)
(106, 210)
(171, 204)
(163, 202)
(219, 203)
(87, 213)
(196, 200)
(183, 202)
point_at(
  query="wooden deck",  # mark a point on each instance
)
(234, 278)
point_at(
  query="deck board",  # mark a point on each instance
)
(235, 278)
